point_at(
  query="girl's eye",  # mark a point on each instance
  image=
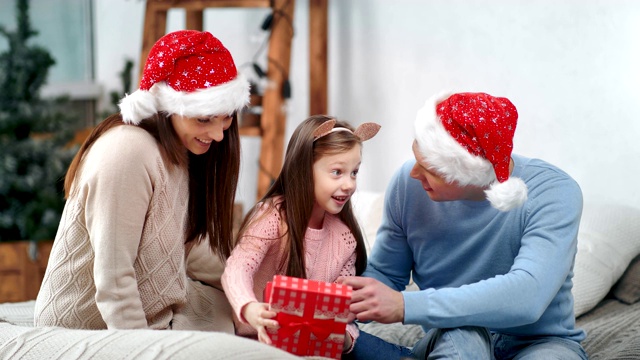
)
(354, 173)
(203, 120)
(336, 172)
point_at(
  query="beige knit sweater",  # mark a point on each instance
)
(118, 259)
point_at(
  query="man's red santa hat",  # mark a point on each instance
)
(467, 138)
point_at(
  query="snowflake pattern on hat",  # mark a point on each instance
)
(188, 60)
(482, 124)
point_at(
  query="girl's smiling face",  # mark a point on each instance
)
(197, 133)
(334, 181)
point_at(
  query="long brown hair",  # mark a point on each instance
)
(214, 174)
(295, 185)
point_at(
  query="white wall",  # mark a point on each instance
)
(570, 67)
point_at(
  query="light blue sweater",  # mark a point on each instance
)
(508, 271)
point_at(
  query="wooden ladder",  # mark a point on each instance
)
(273, 117)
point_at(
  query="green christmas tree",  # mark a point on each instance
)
(33, 134)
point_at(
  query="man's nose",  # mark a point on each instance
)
(415, 173)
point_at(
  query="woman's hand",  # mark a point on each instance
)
(260, 318)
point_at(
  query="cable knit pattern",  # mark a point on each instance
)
(118, 258)
(329, 253)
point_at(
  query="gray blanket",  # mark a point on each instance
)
(613, 331)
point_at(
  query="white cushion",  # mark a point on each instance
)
(367, 206)
(35, 343)
(608, 239)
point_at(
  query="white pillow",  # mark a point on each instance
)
(608, 239)
(367, 206)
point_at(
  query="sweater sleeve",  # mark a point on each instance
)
(118, 185)
(247, 258)
(540, 271)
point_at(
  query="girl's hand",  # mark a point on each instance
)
(260, 318)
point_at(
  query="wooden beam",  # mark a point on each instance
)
(195, 20)
(273, 118)
(203, 4)
(318, 103)
(155, 26)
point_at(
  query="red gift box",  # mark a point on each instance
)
(312, 315)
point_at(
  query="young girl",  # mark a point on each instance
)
(147, 185)
(304, 226)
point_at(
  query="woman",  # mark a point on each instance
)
(145, 187)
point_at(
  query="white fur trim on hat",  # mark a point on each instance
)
(507, 195)
(444, 154)
(222, 99)
(137, 106)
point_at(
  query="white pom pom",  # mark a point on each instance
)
(137, 106)
(507, 195)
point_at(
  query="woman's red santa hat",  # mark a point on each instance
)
(188, 73)
(467, 138)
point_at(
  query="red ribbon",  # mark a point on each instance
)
(320, 328)
(305, 324)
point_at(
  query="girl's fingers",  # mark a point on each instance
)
(272, 324)
(268, 314)
(263, 337)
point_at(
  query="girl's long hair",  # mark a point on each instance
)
(213, 177)
(296, 187)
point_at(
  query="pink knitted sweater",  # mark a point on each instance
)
(329, 253)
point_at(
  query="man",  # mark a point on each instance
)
(488, 236)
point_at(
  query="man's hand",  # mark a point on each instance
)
(259, 317)
(373, 300)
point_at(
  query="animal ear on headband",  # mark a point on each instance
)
(367, 130)
(323, 129)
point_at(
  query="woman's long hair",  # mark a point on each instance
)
(295, 185)
(213, 177)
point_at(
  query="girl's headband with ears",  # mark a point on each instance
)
(364, 132)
